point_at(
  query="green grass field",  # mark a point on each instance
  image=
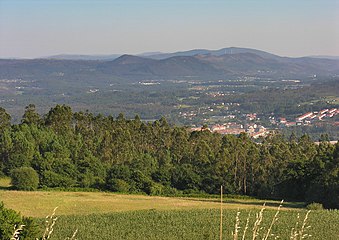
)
(190, 224)
(100, 215)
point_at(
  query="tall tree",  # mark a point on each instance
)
(31, 116)
(5, 119)
(6, 145)
(59, 119)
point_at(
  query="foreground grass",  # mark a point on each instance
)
(190, 224)
(40, 204)
(100, 215)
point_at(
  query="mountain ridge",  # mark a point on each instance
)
(192, 52)
(202, 64)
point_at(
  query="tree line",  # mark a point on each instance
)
(78, 149)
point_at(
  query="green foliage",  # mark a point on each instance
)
(119, 185)
(92, 172)
(325, 185)
(59, 118)
(11, 220)
(31, 116)
(81, 150)
(31, 229)
(6, 145)
(315, 206)
(53, 179)
(184, 177)
(22, 151)
(5, 119)
(140, 182)
(25, 178)
(156, 189)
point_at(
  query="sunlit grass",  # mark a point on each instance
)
(5, 182)
(41, 203)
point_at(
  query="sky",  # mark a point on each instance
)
(38, 28)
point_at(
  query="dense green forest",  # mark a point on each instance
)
(81, 150)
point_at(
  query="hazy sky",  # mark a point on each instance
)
(285, 27)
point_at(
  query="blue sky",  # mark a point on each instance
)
(46, 27)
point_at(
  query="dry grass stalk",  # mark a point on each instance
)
(73, 236)
(304, 228)
(274, 220)
(221, 212)
(256, 226)
(294, 231)
(246, 226)
(50, 221)
(17, 231)
(300, 234)
(236, 226)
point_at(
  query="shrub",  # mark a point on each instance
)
(119, 185)
(141, 182)
(25, 178)
(170, 191)
(52, 179)
(30, 230)
(89, 180)
(155, 189)
(10, 219)
(315, 206)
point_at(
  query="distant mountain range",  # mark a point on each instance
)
(220, 52)
(193, 64)
(83, 57)
(325, 56)
(160, 55)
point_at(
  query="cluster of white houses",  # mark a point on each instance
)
(253, 130)
(310, 117)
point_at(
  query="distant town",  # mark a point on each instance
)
(308, 118)
(256, 130)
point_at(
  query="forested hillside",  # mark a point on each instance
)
(79, 149)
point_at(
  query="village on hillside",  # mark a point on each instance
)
(309, 118)
(255, 129)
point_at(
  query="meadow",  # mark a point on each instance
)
(103, 215)
(39, 204)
